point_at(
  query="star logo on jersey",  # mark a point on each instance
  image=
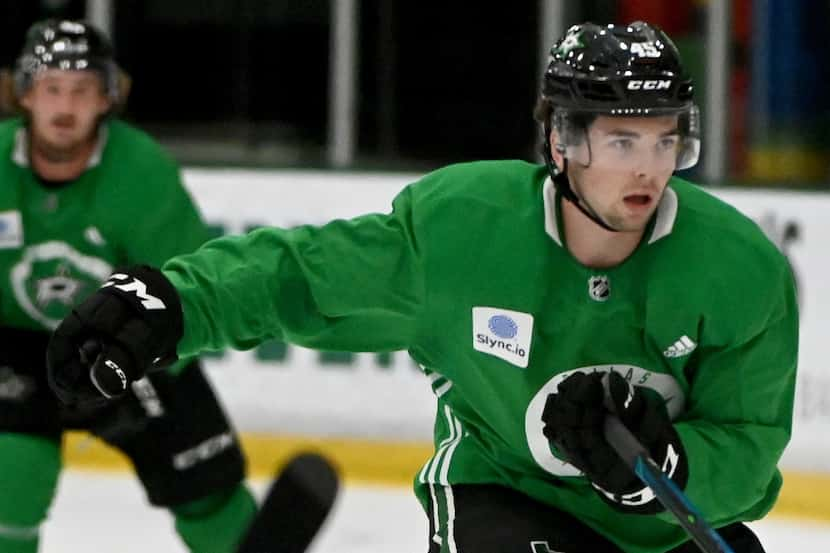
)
(51, 277)
(60, 288)
(599, 287)
(665, 385)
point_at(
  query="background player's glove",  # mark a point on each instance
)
(573, 422)
(129, 325)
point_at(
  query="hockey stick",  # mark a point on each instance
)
(295, 507)
(629, 448)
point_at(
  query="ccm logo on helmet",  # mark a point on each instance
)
(657, 84)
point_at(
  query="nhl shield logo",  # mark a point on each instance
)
(599, 287)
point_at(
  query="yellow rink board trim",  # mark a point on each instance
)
(388, 463)
(787, 164)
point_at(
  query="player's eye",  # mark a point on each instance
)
(668, 143)
(622, 144)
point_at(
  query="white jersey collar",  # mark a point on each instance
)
(663, 225)
(20, 152)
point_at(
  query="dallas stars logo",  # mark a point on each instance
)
(569, 43)
(61, 288)
(51, 277)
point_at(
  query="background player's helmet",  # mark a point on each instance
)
(618, 70)
(66, 45)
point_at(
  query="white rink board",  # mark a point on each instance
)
(302, 396)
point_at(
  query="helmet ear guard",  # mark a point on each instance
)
(689, 151)
(572, 128)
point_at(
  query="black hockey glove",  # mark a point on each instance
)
(128, 326)
(573, 422)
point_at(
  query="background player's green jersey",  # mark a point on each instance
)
(58, 242)
(471, 275)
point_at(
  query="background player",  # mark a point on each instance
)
(80, 194)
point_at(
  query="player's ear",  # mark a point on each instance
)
(25, 100)
(104, 103)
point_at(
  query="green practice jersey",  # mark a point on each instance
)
(57, 244)
(471, 275)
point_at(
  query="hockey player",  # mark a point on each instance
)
(537, 300)
(80, 194)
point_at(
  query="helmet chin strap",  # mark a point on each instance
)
(560, 180)
(563, 183)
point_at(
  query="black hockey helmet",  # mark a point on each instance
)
(616, 70)
(66, 45)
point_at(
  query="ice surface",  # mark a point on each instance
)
(108, 513)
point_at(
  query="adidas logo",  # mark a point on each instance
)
(683, 346)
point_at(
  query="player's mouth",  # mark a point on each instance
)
(638, 201)
(66, 122)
